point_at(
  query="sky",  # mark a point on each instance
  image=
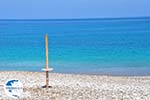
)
(61, 9)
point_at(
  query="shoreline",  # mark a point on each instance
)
(85, 73)
(78, 87)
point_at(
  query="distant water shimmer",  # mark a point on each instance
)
(88, 46)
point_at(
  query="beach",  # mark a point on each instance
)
(77, 87)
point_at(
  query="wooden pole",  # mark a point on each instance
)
(47, 69)
(46, 44)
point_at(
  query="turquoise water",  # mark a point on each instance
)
(90, 46)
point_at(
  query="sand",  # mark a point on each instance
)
(77, 87)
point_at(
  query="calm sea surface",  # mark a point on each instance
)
(90, 46)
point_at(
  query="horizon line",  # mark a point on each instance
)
(111, 18)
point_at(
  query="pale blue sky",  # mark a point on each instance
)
(49, 9)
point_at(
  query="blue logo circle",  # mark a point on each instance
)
(13, 88)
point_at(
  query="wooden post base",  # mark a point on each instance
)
(46, 86)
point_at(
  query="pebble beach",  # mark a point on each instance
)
(77, 87)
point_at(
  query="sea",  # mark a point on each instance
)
(102, 46)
